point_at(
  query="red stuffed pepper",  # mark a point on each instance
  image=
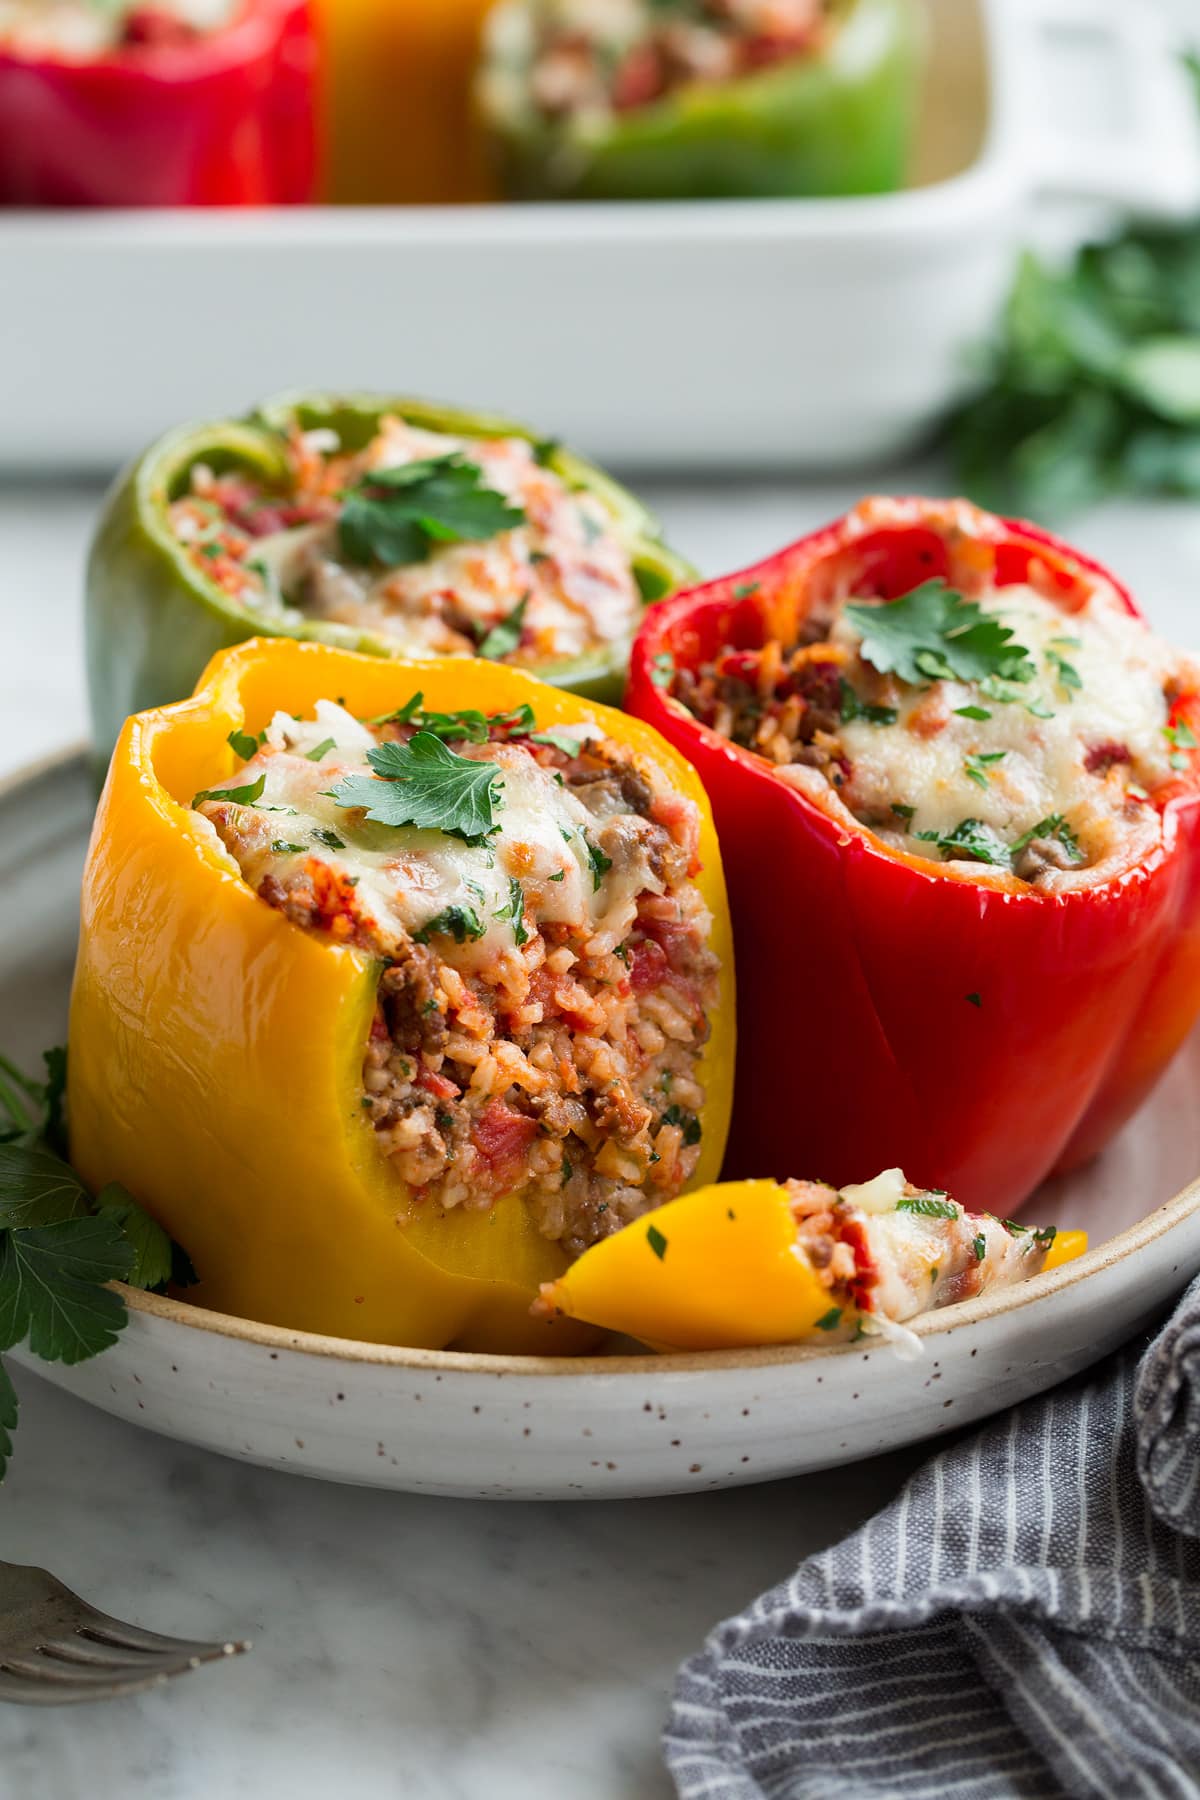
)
(954, 777)
(178, 103)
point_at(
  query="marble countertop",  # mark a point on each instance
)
(405, 1647)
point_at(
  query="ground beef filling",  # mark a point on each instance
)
(531, 573)
(1043, 774)
(548, 1054)
(590, 59)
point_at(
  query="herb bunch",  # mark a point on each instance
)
(59, 1246)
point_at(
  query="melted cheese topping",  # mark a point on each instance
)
(565, 561)
(406, 876)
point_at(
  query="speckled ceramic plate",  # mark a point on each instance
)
(553, 1428)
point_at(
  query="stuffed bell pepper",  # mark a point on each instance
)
(382, 525)
(400, 125)
(399, 985)
(954, 775)
(685, 99)
(172, 103)
(747, 1263)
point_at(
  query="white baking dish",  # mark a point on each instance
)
(802, 333)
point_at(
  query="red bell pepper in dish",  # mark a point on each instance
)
(954, 779)
(163, 112)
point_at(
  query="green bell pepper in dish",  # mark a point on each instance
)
(833, 119)
(155, 618)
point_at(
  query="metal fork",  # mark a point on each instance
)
(54, 1647)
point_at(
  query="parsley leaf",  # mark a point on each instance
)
(243, 745)
(692, 1129)
(153, 1251)
(396, 516)
(662, 669)
(979, 1246)
(1066, 674)
(853, 708)
(322, 834)
(656, 1241)
(320, 750)
(52, 1287)
(515, 910)
(600, 863)
(423, 783)
(505, 636)
(831, 1320)
(1053, 827)
(558, 740)
(37, 1188)
(977, 765)
(458, 922)
(927, 1207)
(970, 841)
(934, 633)
(243, 796)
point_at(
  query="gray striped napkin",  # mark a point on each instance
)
(1022, 1621)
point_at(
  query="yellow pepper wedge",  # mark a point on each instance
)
(399, 118)
(718, 1269)
(217, 1048)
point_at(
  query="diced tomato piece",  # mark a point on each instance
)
(440, 1086)
(502, 1137)
(647, 967)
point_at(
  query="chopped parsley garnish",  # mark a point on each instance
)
(600, 863)
(907, 813)
(558, 740)
(1065, 673)
(1182, 738)
(744, 589)
(423, 783)
(1045, 1236)
(243, 745)
(243, 796)
(621, 950)
(970, 841)
(475, 727)
(934, 633)
(1013, 1229)
(1053, 827)
(662, 669)
(505, 636)
(853, 708)
(656, 1241)
(559, 875)
(320, 750)
(397, 516)
(515, 910)
(458, 922)
(972, 712)
(322, 834)
(281, 847)
(975, 1000)
(979, 1246)
(692, 1130)
(927, 1206)
(978, 764)
(831, 1320)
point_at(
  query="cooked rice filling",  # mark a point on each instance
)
(489, 553)
(592, 58)
(1045, 770)
(545, 990)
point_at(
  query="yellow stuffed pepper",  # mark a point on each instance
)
(747, 1263)
(399, 986)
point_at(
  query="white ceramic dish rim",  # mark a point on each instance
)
(1037, 1289)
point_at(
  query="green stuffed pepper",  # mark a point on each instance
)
(690, 99)
(383, 525)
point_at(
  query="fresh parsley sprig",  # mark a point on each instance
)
(398, 516)
(425, 784)
(934, 633)
(59, 1247)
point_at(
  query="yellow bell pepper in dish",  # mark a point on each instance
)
(747, 1263)
(346, 1129)
(400, 123)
